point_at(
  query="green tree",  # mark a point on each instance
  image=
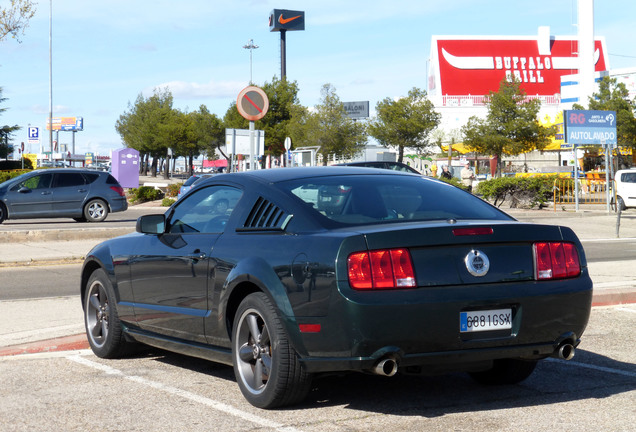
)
(405, 123)
(614, 96)
(15, 18)
(209, 135)
(146, 127)
(510, 127)
(5, 133)
(329, 127)
(283, 102)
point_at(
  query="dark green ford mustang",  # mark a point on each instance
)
(290, 273)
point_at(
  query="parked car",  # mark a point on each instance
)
(190, 182)
(625, 181)
(84, 195)
(313, 271)
(395, 166)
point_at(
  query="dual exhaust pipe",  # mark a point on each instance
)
(385, 367)
(388, 366)
(565, 351)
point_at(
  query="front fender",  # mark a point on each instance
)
(113, 256)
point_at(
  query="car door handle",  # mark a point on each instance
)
(197, 255)
(46, 193)
(81, 190)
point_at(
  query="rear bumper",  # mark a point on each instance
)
(436, 362)
(422, 328)
(119, 205)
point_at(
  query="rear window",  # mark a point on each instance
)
(191, 180)
(378, 198)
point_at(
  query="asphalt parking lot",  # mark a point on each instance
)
(65, 387)
(159, 391)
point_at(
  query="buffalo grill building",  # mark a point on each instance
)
(463, 70)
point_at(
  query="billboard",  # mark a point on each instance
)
(465, 65)
(283, 20)
(357, 109)
(590, 127)
(66, 124)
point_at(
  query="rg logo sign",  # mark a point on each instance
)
(577, 118)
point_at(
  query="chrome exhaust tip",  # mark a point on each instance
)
(386, 367)
(566, 351)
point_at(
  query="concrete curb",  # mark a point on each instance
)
(66, 343)
(61, 235)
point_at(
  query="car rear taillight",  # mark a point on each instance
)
(472, 231)
(381, 269)
(556, 260)
(119, 190)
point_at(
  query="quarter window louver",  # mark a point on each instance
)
(265, 215)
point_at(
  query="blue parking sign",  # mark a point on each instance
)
(34, 135)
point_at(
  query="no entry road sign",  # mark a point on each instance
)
(252, 103)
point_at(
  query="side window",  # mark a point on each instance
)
(42, 181)
(629, 178)
(69, 179)
(205, 211)
(91, 177)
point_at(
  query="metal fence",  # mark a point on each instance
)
(592, 190)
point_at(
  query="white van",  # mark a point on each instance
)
(625, 181)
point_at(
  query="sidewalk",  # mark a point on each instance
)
(53, 324)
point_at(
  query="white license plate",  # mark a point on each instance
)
(474, 321)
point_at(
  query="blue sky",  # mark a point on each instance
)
(106, 53)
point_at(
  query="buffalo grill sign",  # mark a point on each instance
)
(476, 66)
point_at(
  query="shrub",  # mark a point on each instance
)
(8, 175)
(534, 191)
(167, 202)
(144, 194)
(455, 182)
(173, 189)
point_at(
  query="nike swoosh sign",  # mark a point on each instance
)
(287, 20)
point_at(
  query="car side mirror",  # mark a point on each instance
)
(151, 224)
(24, 189)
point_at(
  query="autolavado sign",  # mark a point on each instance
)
(465, 65)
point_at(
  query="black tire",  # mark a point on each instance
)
(505, 371)
(103, 328)
(266, 366)
(95, 210)
(3, 213)
(80, 219)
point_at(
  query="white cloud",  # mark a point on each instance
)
(193, 90)
(57, 110)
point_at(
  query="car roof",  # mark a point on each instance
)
(62, 170)
(285, 174)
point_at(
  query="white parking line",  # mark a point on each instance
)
(219, 406)
(597, 368)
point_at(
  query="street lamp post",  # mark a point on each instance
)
(250, 46)
(51, 79)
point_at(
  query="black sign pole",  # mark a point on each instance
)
(283, 55)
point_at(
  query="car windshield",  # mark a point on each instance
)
(360, 199)
(191, 180)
